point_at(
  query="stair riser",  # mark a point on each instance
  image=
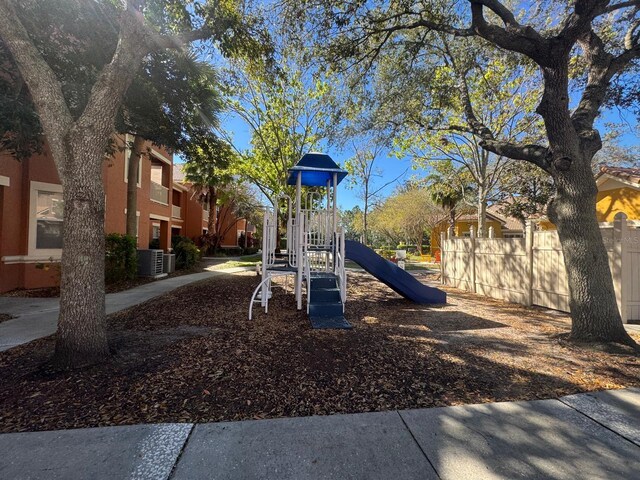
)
(325, 296)
(325, 310)
(323, 283)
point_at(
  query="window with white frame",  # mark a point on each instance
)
(155, 231)
(45, 219)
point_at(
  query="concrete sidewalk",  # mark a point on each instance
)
(594, 435)
(38, 317)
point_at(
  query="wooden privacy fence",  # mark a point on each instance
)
(531, 270)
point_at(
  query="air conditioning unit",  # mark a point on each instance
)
(168, 263)
(150, 263)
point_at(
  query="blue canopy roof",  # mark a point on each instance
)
(317, 169)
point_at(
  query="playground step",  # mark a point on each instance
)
(329, 322)
(324, 282)
(333, 309)
(325, 295)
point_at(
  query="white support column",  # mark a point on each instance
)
(443, 238)
(299, 247)
(472, 235)
(492, 232)
(335, 201)
(621, 270)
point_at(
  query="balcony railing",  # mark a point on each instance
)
(159, 193)
(175, 211)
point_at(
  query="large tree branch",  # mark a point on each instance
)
(602, 67)
(178, 41)
(44, 86)
(579, 22)
(115, 78)
(513, 36)
(536, 154)
(621, 5)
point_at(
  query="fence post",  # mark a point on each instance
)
(621, 271)
(472, 236)
(528, 284)
(442, 253)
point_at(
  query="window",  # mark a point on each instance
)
(49, 209)
(45, 219)
(156, 173)
(514, 235)
(127, 154)
(155, 231)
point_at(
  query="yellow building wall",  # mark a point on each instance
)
(608, 204)
(611, 202)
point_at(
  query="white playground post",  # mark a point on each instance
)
(335, 201)
(299, 246)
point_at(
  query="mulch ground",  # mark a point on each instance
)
(193, 356)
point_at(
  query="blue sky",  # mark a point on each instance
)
(392, 167)
(347, 198)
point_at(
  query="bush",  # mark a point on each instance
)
(121, 258)
(386, 253)
(154, 244)
(250, 251)
(176, 239)
(187, 254)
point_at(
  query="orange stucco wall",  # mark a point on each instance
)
(18, 269)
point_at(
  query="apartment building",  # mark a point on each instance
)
(31, 209)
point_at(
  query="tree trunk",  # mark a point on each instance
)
(365, 229)
(81, 337)
(132, 185)
(594, 310)
(212, 220)
(452, 222)
(482, 212)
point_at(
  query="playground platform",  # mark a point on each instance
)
(589, 435)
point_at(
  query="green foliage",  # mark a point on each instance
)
(286, 117)
(408, 215)
(526, 190)
(176, 239)
(173, 98)
(187, 254)
(20, 131)
(121, 258)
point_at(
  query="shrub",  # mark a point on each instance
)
(250, 251)
(176, 239)
(154, 244)
(187, 254)
(121, 258)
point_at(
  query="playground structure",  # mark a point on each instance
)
(315, 249)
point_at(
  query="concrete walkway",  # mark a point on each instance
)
(594, 435)
(38, 317)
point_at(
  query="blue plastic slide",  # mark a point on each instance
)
(391, 275)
